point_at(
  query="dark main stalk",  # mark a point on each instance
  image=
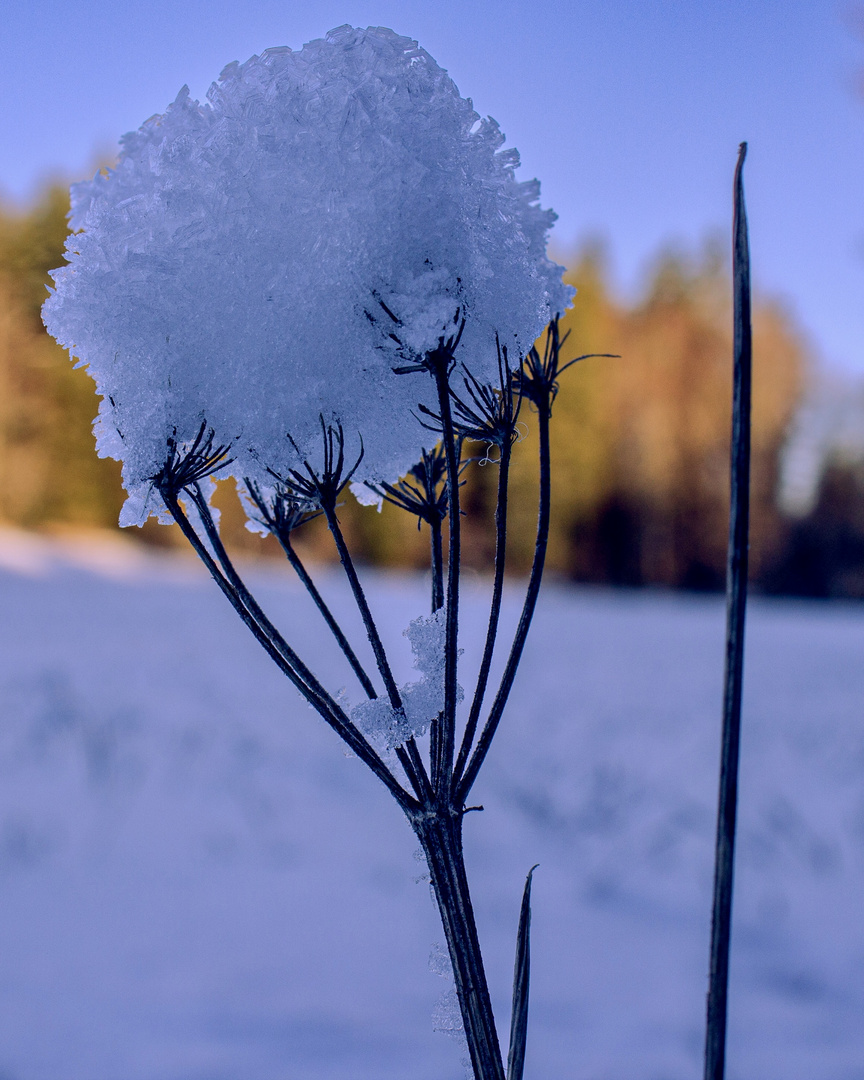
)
(440, 834)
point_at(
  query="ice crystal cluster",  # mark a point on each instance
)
(237, 266)
(422, 700)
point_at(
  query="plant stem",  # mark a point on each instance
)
(437, 570)
(736, 602)
(437, 564)
(442, 765)
(249, 601)
(363, 607)
(283, 656)
(463, 785)
(336, 629)
(440, 834)
(409, 755)
(495, 608)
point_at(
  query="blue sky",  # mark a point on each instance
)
(629, 111)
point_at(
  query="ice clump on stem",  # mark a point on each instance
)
(251, 261)
(446, 1015)
(421, 700)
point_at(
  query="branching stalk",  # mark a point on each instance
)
(435, 811)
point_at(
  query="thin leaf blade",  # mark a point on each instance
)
(521, 979)
(736, 604)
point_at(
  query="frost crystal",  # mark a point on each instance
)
(439, 962)
(238, 266)
(421, 700)
(424, 699)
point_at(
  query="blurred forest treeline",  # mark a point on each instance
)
(640, 443)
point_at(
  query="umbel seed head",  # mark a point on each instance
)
(224, 271)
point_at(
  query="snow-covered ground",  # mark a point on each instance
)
(197, 884)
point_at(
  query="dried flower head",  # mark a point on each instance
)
(227, 270)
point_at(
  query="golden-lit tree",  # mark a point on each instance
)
(48, 471)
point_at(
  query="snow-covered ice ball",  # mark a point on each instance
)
(236, 267)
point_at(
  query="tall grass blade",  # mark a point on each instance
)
(736, 601)
(521, 978)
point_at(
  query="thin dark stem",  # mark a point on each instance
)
(437, 564)
(494, 611)
(736, 602)
(281, 655)
(442, 765)
(409, 755)
(363, 607)
(437, 604)
(463, 786)
(336, 629)
(410, 760)
(249, 600)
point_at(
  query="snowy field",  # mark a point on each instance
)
(197, 884)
